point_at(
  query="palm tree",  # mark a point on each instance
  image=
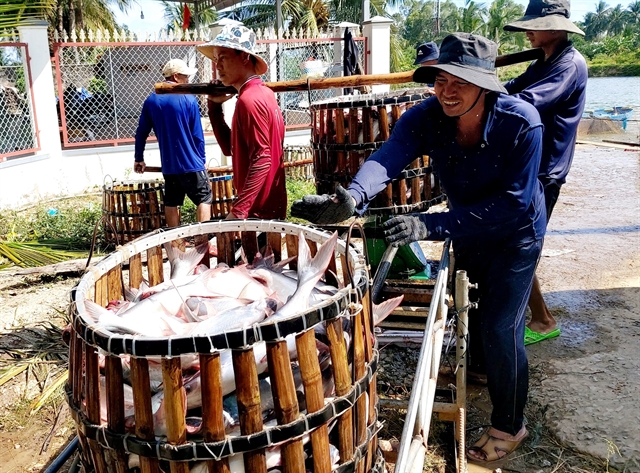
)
(595, 23)
(418, 24)
(13, 12)
(174, 14)
(617, 20)
(473, 17)
(502, 12)
(633, 11)
(469, 18)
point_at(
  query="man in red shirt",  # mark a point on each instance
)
(255, 139)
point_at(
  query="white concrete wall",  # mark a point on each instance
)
(34, 179)
(377, 30)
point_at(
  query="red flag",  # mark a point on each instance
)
(186, 17)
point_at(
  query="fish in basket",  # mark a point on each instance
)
(252, 360)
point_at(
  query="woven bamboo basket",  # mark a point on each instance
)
(346, 130)
(306, 425)
(132, 209)
(223, 190)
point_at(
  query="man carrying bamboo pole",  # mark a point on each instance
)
(255, 139)
(485, 148)
(556, 86)
(176, 122)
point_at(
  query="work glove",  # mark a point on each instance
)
(405, 229)
(325, 208)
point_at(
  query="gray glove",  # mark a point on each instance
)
(325, 209)
(405, 229)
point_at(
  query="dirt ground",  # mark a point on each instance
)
(584, 386)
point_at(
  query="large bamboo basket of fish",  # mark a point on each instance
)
(346, 130)
(132, 209)
(230, 390)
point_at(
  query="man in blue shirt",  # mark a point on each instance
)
(556, 87)
(175, 119)
(485, 148)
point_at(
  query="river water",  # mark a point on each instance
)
(606, 92)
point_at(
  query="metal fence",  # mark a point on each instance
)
(101, 86)
(301, 59)
(17, 117)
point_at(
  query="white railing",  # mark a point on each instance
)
(413, 444)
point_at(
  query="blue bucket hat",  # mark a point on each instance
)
(237, 37)
(545, 15)
(426, 52)
(467, 56)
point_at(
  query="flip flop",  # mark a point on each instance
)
(531, 337)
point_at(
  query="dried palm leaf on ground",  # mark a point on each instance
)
(10, 372)
(51, 391)
(41, 342)
(31, 254)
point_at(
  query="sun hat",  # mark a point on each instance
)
(426, 52)
(178, 66)
(545, 15)
(467, 56)
(237, 37)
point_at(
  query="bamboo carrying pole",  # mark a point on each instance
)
(331, 82)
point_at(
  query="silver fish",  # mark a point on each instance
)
(234, 319)
(310, 270)
(184, 262)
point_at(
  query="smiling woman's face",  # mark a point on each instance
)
(455, 95)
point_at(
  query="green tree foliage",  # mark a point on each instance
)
(174, 15)
(502, 12)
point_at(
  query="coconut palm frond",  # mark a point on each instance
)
(40, 342)
(35, 351)
(32, 254)
(51, 391)
(11, 372)
(13, 13)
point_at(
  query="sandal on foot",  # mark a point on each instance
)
(531, 337)
(495, 445)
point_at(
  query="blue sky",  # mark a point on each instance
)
(153, 16)
(154, 13)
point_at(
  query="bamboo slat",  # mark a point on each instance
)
(212, 420)
(115, 409)
(154, 266)
(285, 403)
(342, 379)
(174, 407)
(142, 405)
(314, 396)
(249, 408)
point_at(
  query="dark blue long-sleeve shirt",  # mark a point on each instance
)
(175, 119)
(493, 189)
(556, 87)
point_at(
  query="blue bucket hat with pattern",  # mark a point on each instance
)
(237, 37)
